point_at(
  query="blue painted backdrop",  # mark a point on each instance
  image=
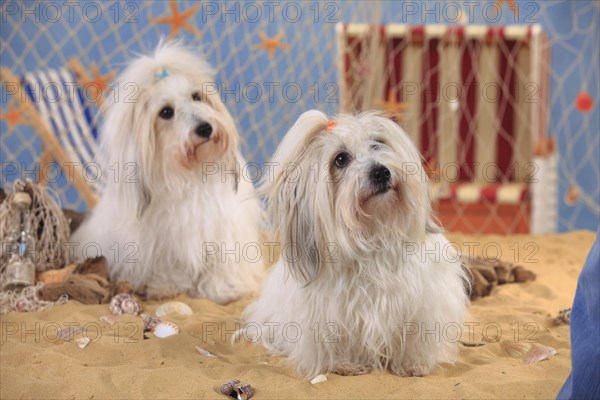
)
(34, 36)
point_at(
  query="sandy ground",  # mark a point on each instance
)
(118, 363)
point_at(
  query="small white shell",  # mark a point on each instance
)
(109, 319)
(515, 349)
(165, 329)
(539, 354)
(173, 307)
(205, 353)
(124, 303)
(82, 342)
(318, 379)
(68, 333)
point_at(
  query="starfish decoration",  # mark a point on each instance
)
(100, 80)
(97, 79)
(14, 116)
(179, 20)
(392, 107)
(271, 44)
(511, 4)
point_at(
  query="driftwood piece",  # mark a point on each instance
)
(88, 284)
(487, 273)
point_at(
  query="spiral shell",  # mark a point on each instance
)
(124, 303)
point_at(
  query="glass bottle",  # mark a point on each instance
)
(20, 269)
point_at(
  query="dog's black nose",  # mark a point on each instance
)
(380, 175)
(204, 130)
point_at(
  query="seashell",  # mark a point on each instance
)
(227, 387)
(173, 307)
(165, 329)
(82, 342)
(149, 321)
(318, 379)
(109, 319)
(564, 317)
(56, 275)
(205, 353)
(515, 349)
(68, 333)
(539, 354)
(244, 391)
(124, 303)
(234, 388)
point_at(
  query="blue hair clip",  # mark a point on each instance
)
(162, 74)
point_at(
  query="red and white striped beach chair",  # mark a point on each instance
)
(474, 101)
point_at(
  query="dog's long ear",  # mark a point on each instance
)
(128, 143)
(417, 200)
(293, 196)
(229, 139)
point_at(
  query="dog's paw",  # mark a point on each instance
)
(219, 298)
(160, 293)
(410, 370)
(347, 369)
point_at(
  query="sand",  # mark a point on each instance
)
(118, 363)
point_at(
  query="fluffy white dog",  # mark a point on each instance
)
(365, 280)
(174, 212)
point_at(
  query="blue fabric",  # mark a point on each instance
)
(584, 381)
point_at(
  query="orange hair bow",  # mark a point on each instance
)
(331, 125)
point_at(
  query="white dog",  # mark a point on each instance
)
(174, 210)
(365, 280)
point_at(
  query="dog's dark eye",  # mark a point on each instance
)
(166, 112)
(196, 96)
(342, 160)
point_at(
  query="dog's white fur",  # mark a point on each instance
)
(172, 201)
(362, 275)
